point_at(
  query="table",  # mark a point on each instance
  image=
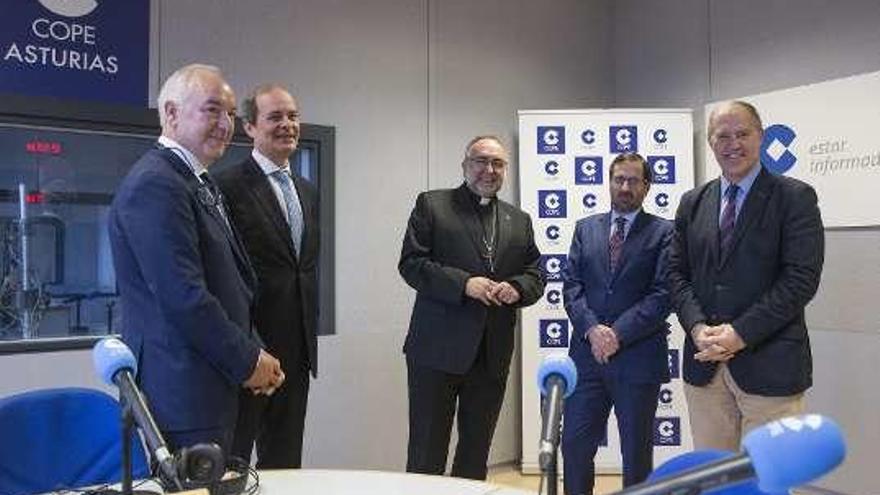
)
(345, 482)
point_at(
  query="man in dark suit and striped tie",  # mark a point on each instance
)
(746, 259)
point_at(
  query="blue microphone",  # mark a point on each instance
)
(116, 365)
(557, 378)
(699, 458)
(780, 455)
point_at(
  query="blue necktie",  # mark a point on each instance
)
(728, 219)
(294, 209)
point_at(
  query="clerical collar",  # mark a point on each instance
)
(267, 165)
(477, 199)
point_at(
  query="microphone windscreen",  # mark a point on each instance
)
(111, 355)
(561, 365)
(697, 458)
(793, 451)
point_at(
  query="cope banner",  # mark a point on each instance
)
(79, 49)
(563, 176)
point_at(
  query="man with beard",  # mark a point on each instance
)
(616, 296)
(473, 261)
(277, 214)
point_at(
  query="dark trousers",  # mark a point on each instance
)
(275, 423)
(433, 396)
(586, 421)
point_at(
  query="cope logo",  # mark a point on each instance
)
(552, 233)
(623, 139)
(70, 8)
(588, 170)
(775, 153)
(662, 169)
(588, 137)
(674, 364)
(794, 424)
(552, 204)
(660, 136)
(667, 432)
(552, 266)
(554, 333)
(661, 200)
(589, 201)
(551, 140)
(553, 297)
(552, 168)
(664, 400)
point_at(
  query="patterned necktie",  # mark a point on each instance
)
(214, 196)
(615, 245)
(728, 219)
(294, 209)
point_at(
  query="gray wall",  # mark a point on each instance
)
(687, 53)
(406, 83)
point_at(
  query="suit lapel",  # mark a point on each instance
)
(213, 211)
(263, 196)
(630, 244)
(603, 235)
(505, 231)
(711, 207)
(308, 210)
(751, 209)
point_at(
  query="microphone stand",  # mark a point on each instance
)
(127, 431)
(549, 464)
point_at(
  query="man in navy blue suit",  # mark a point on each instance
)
(185, 282)
(616, 296)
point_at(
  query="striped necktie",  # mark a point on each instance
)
(728, 219)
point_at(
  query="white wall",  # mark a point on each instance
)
(687, 53)
(406, 83)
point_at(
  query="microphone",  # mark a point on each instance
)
(699, 458)
(115, 365)
(557, 378)
(781, 455)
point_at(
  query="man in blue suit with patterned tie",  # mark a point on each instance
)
(185, 282)
(616, 296)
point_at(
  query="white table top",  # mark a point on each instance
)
(344, 482)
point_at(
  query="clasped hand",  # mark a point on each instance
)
(717, 343)
(490, 292)
(603, 342)
(267, 375)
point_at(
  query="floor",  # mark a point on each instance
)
(510, 475)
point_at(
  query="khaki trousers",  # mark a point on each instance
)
(721, 413)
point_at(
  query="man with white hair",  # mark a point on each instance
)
(185, 282)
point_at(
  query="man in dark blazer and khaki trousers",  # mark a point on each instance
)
(473, 261)
(276, 213)
(746, 259)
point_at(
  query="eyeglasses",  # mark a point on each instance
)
(620, 180)
(482, 162)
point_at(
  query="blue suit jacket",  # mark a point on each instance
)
(186, 290)
(634, 300)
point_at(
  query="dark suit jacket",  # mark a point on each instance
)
(186, 290)
(634, 300)
(441, 250)
(761, 287)
(286, 308)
